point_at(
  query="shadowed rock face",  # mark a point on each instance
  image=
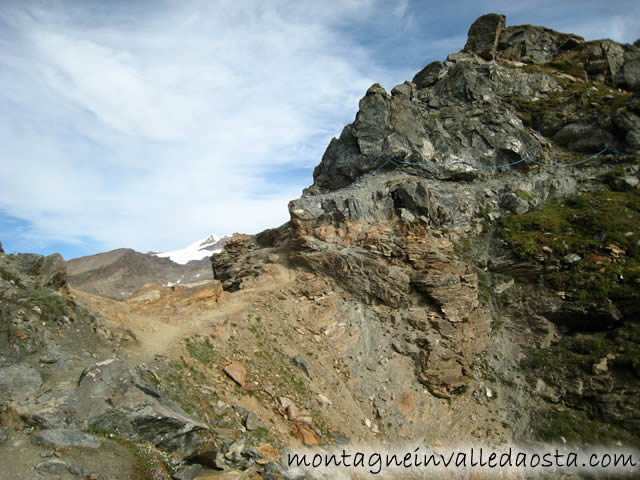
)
(484, 35)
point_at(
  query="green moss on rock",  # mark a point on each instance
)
(602, 228)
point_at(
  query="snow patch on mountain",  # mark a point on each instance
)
(196, 251)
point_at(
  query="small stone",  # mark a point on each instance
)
(252, 453)
(237, 373)
(572, 258)
(252, 422)
(615, 250)
(4, 435)
(235, 450)
(76, 470)
(302, 364)
(307, 435)
(324, 400)
(53, 466)
(601, 366)
(631, 181)
(38, 310)
(269, 389)
(47, 454)
(504, 286)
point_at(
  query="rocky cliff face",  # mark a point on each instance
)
(486, 197)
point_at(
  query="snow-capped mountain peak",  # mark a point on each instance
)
(197, 250)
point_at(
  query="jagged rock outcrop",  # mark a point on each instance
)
(431, 163)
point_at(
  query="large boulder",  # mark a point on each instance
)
(586, 136)
(629, 75)
(112, 397)
(484, 35)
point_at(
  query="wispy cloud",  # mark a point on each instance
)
(151, 135)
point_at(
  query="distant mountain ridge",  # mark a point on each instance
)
(119, 273)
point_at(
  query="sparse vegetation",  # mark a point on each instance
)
(576, 427)
(51, 303)
(574, 101)
(600, 227)
(524, 195)
(200, 349)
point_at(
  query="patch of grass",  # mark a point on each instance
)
(577, 427)
(610, 178)
(201, 350)
(574, 69)
(462, 246)
(526, 196)
(576, 355)
(585, 225)
(571, 425)
(10, 277)
(574, 101)
(261, 435)
(148, 465)
(51, 304)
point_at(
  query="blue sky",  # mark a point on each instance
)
(149, 124)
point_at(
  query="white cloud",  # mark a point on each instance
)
(149, 137)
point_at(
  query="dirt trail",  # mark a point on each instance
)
(160, 325)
